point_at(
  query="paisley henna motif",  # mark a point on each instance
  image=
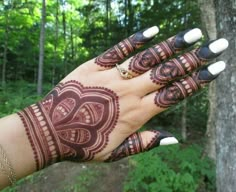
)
(176, 92)
(117, 53)
(72, 122)
(175, 68)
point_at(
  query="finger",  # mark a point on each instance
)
(118, 52)
(140, 142)
(148, 58)
(179, 67)
(179, 90)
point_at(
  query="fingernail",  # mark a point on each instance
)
(151, 32)
(217, 67)
(192, 35)
(219, 45)
(168, 141)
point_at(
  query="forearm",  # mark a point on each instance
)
(15, 143)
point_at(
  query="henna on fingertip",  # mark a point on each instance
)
(187, 63)
(135, 144)
(147, 59)
(117, 53)
(177, 91)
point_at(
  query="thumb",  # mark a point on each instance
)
(141, 141)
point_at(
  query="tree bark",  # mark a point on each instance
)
(226, 99)
(183, 121)
(41, 49)
(6, 36)
(55, 55)
(209, 29)
(64, 36)
(5, 51)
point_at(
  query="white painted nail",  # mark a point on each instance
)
(151, 32)
(217, 67)
(219, 45)
(193, 35)
(169, 141)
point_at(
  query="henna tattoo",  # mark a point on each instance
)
(72, 122)
(175, 68)
(134, 145)
(117, 53)
(171, 95)
(130, 146)
(145, 60)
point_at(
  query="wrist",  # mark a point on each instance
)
(14, 141)
(41, 135)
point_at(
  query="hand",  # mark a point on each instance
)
(95, 112)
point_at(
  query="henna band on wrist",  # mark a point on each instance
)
(6, 167)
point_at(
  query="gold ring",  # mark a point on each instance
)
(124, 73)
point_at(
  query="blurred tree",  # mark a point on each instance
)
(41, 49)
(6, 32)
(209, 30)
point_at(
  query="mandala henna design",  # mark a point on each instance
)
(175, 68)
(117, 53)
(171, 95)
(72, 122)
(134, 145)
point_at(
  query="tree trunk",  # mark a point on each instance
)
(5, 53)
(41, 49)
(183, 121)
(107, 22)
(64, 36)
(55, 55)
(6, 34)
(226, 99)
(209, 29)
(72, 43)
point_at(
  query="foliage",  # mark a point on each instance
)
(171, 169)
(17, 96)
(78, 30)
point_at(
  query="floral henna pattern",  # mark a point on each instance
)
(171, 95)
(133, 145)
(117, 53)
(72, 122)
(175, 68)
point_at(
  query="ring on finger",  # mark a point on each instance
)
(124, 73)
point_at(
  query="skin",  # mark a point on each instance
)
(111, 134)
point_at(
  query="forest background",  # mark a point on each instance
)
(42, 41)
